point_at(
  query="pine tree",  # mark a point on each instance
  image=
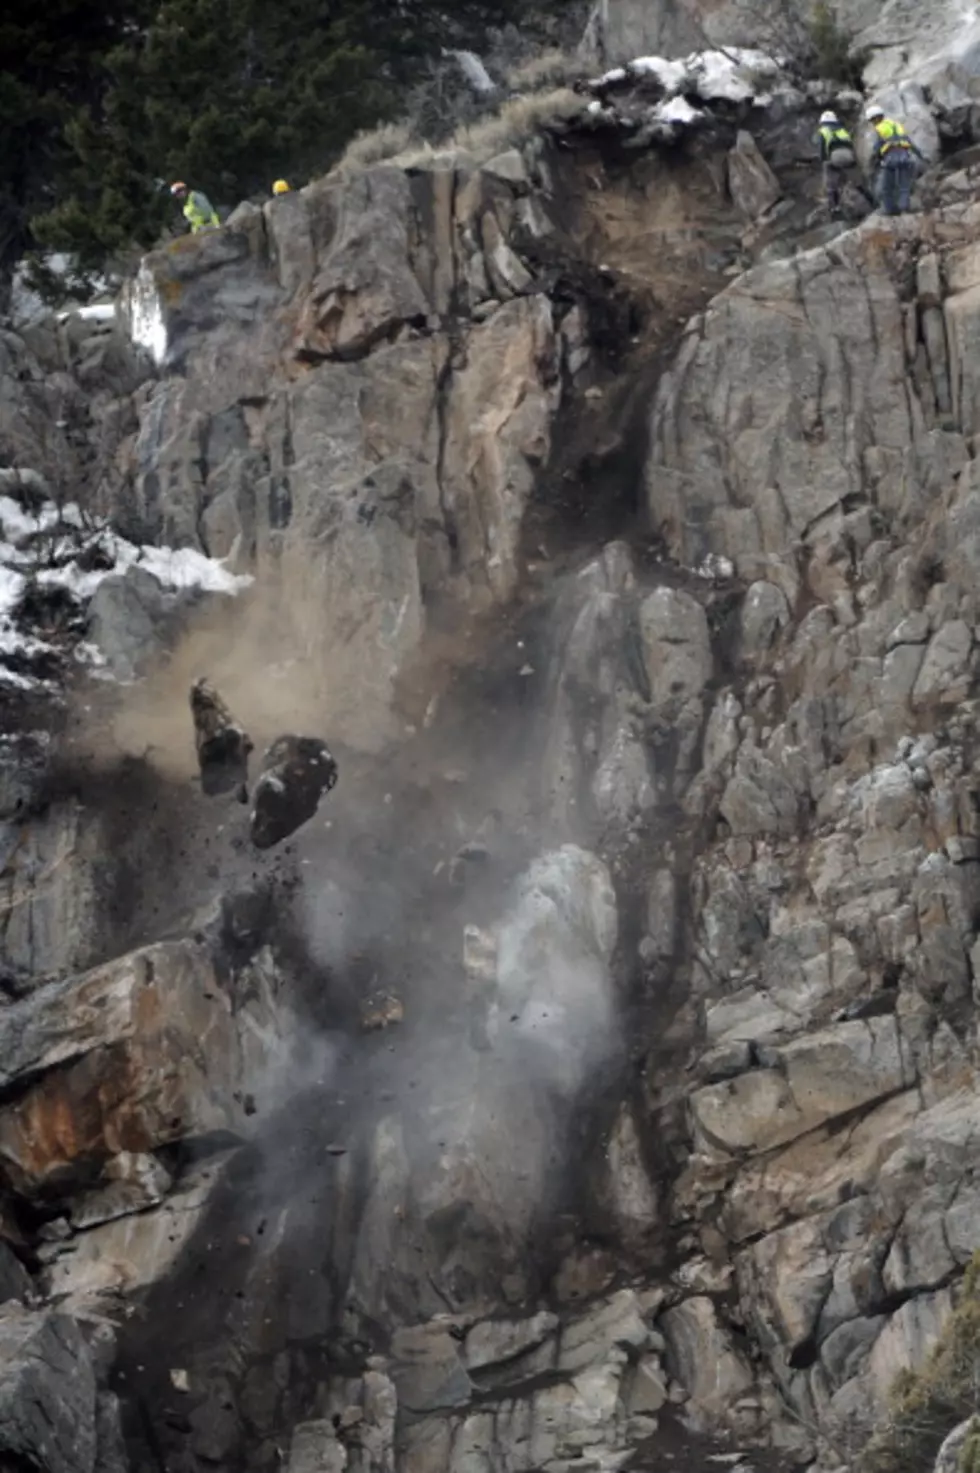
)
(227, 95)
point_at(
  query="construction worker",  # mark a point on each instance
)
(199, 213)
(280, 187)
(893, 158)
(838, 158)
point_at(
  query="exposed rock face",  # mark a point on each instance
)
(601, 1086)
(940, 54)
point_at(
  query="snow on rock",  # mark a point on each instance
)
(53, 558)
(738, 74)
(147, 327)
(95, 312)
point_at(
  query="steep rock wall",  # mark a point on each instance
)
(594, 1079)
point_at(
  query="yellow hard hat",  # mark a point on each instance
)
(280, 187)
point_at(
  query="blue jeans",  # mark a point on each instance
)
(897, 173)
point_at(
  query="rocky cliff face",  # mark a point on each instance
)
(592, 1082)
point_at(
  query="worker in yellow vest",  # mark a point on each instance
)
(838, 158)
(199, 213)
(893, 157)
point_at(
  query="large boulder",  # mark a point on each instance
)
(296, 772)
(223, 746)
(140, 1052)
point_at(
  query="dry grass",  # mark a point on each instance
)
(517, 120)
(374, 146)
(554, 68)
(925, 1405)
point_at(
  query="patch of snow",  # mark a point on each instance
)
(175, 569)
(738, 74)
(678, 110)
(147, 327)
(670, 74)
(97, 312)
(11, 586)
(715, 566)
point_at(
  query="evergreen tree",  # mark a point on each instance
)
(50, 55)
(226, 94)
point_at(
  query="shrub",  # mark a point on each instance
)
(832, 48)
(925, 1405)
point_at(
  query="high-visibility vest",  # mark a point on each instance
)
(892, 135)
(838, 135)
(198, 211)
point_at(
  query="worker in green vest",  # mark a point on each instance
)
(839, 161)
(199, 212)
(893, 157)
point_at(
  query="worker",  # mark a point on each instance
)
(838, 158)
(280, 187)
(199, 212)
(893, 158)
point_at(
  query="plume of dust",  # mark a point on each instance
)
(248, 648)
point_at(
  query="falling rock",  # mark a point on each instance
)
(223, 746)
(296, 772)
(754, 187)
(47, 1393)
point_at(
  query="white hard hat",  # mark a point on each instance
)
(874, 111)
(828, 117)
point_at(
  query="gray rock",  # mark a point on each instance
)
(759, 798)
(120, 1043)
(948, 1457)
(15, 1282)
(314, 1448)
(135, 1183)
(508, 166)
(943, 674)
(427, 1370)
(47, 1393)
(764, 613)
(752, 184)
(508, 274)
(616, 1323)
(127, 619)
(676, 646)
(701, 1355)
(110, 1454)
(495, 1341)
